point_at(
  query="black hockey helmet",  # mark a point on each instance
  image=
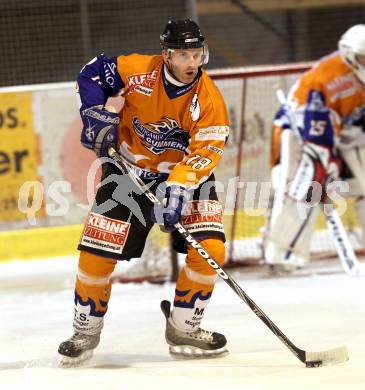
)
(182, 34)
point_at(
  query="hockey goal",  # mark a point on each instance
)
(243, 176)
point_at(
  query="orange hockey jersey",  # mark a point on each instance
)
(327, 97)
(176, 133)
(323, 100)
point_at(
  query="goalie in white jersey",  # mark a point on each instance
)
(321, 124)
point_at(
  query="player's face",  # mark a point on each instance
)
(184, 63)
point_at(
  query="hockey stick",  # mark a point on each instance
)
(294, 241)
(311, 359)
(348, 258)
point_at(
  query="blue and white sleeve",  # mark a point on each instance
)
(98, 80)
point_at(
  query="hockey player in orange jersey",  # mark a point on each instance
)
(324, 113)
(172, 129)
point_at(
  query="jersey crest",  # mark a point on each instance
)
(160, 136)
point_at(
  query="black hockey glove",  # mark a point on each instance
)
(100, 129)
(169, 213)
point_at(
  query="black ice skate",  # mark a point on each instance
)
(200, 343)
(77, 349)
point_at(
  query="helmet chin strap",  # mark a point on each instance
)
(170, 77)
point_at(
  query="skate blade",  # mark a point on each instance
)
(187, 351)
(69, 362)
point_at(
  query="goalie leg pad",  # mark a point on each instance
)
(281, 174)
(309, 179)
(288, 241)
(289, 154)
(92, 292)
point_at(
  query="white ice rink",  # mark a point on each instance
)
(315, 312)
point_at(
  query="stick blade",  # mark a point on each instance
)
(323, 358)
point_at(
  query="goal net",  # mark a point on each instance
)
(243, 175)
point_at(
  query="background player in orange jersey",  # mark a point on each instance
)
(322, 121)
(172, 130)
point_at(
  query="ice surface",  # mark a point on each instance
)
(315, 312)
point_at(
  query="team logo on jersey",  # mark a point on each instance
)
(160, 136)
(143, 82)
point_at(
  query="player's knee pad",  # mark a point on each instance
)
(93, 277)
(95, 270)
(215, 247)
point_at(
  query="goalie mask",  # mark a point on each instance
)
(352, 44)
(184, 34)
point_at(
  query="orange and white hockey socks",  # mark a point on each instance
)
(92, 292)
(195, 285)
